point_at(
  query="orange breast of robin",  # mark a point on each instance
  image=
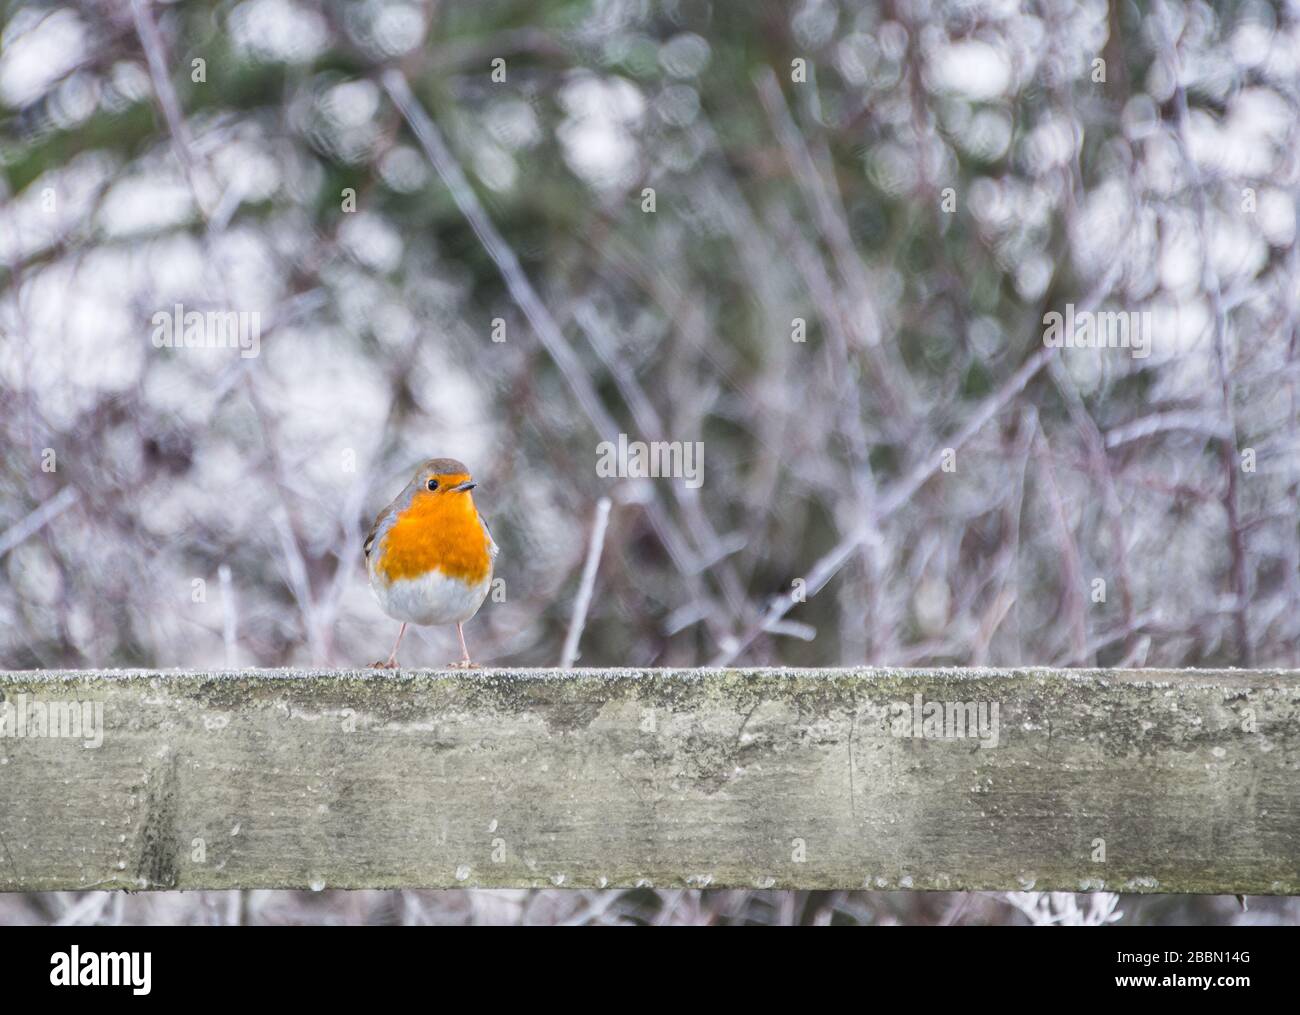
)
(439, 531)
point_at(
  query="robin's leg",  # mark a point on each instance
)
(392, 659)
(464, 663)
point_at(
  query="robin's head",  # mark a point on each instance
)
(444, 477)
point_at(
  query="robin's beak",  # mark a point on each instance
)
(465, 487)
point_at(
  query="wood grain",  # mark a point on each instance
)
(1145, 781)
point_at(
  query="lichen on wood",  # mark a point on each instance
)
(1145, 781)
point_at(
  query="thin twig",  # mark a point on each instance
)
(152, 43)
(1072, 600)
(39, 518)
(583, 602)
(229, 624)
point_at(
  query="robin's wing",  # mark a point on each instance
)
(370, 536)
(493, 549)
(383, 522)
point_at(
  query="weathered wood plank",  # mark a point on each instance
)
(594, 778)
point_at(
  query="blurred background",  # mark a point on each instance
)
(820, 238)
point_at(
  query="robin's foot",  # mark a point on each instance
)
(390, 665)
(464, 664)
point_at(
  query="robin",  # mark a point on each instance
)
(430, 553)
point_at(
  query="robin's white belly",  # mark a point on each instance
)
(431, 599)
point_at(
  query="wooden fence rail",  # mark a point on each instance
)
(1143, 781)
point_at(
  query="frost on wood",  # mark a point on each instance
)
(1147, 781)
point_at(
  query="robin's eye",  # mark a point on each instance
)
(433, 484)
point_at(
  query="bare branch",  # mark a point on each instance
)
(583, 601)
